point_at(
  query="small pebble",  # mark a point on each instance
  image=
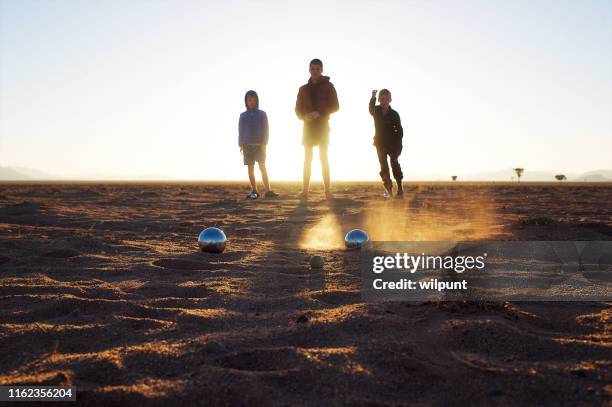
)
(316, 262)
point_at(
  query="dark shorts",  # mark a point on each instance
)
(316, 134)
(252, 153)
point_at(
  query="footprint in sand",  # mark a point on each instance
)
(263, 360)
(61, 253)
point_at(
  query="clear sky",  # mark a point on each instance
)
(132, 88)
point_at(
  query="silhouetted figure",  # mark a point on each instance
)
(387, 139)
(316, 101)
(252, 140)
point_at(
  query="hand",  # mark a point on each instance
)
(374, 92)
(312, 116)
(263, 148)
(241, 151)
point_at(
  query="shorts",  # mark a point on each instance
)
(252, 153)
(316, 134)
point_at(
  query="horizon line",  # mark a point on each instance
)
(179, 180)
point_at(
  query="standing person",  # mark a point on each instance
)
(316, 101)
(252, 140)
(387, 139)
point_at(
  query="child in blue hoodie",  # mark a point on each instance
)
(252, 140)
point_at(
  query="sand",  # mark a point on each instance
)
(102, 287)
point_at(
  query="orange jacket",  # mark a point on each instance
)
(320, 97)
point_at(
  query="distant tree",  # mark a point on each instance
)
(560, 177)
(519, 172)
(454, 178)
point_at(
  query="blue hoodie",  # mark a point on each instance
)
(253, 124)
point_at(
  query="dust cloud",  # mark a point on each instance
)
(324, 235)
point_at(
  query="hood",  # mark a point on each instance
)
(251, 93)
(323, 79)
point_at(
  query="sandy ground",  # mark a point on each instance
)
(102, 286)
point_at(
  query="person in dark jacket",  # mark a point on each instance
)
(252, 139)
(316, 101)
(387, 139)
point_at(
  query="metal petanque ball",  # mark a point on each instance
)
(212, 240)
(355, 239)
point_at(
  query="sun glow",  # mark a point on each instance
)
(144, 90)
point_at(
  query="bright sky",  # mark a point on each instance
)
(133, 88)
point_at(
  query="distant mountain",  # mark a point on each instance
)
(116, 177)
(508, 174)
(10, 174)
(24, 174)
(595, 176)
(29, 174)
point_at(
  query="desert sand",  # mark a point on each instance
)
(102, 286)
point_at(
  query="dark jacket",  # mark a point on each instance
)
(320, 97)
(389, 131)
(253, 124)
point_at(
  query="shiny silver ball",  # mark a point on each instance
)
(212, 240)
(355, 239)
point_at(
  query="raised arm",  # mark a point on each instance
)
(372, 103)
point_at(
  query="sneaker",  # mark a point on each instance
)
(388, 188)
(253, 195)
(386, 195)
(270, 195)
